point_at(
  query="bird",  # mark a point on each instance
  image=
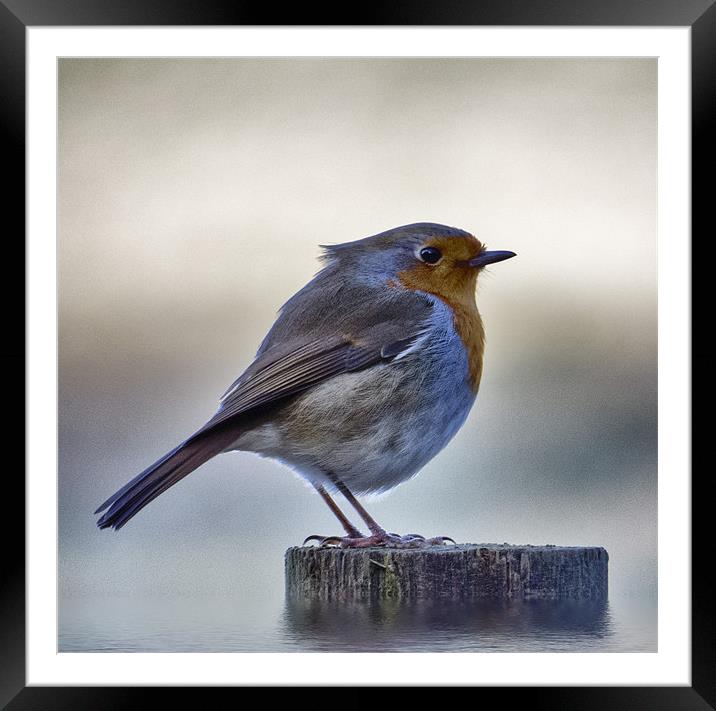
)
(367, 373)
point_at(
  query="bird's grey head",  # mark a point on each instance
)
(426, 248)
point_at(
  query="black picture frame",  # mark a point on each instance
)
(17, 15)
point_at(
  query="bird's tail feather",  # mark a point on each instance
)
(165, 472)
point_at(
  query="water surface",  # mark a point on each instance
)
(274, 624)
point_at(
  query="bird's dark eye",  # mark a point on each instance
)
(431, 255)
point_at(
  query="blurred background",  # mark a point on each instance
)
(193, 195)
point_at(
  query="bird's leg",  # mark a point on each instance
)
(379, 537)
(350, 529)
(375, 529)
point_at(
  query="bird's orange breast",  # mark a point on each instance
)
(454, 282)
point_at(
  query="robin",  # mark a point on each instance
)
(367, 373)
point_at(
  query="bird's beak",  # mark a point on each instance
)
(486, 258)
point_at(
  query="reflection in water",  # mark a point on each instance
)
(268, 623)
(482, 625)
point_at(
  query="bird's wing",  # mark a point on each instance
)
(289, 368)
(286, 364)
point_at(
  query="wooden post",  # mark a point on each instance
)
(462, 572)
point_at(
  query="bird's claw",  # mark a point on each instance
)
(383, 540)
(323, 541)
(440, 541)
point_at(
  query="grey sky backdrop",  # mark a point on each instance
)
(192, 197)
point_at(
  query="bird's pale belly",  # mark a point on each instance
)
(372, 429)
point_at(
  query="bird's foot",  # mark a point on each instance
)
(382, 539)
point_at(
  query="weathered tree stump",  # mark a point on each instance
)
(463, 572)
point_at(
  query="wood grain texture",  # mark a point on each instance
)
(467, 571)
